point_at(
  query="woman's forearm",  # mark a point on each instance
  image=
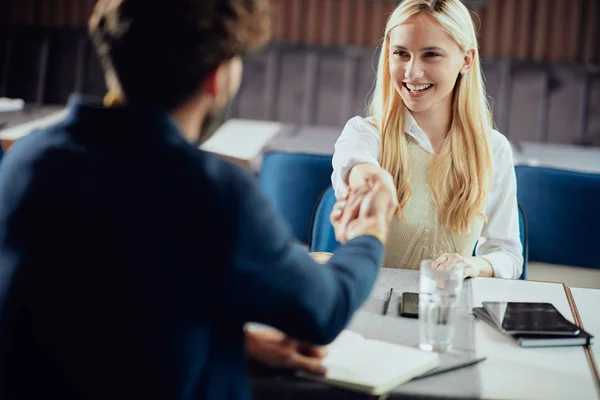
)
(358, 174)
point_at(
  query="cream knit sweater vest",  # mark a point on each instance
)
(423, 236)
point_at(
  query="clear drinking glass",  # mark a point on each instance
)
(438, 299)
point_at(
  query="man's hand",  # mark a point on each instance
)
(375, 213)
(274, 349)
(361, 174)
(345, 210)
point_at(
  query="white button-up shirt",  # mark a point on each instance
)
(500, 243)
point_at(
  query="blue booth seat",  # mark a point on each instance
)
(293, 183)
(563, 215)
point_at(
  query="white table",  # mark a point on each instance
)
(511, 372)
(588, 303)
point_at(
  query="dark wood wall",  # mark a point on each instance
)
(539, 30)
(46, 13)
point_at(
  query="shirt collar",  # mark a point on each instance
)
(412, 128)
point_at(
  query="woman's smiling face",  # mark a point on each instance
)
(424, 63)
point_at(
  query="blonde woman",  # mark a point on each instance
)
(430, 136)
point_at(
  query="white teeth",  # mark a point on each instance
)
(417, 87)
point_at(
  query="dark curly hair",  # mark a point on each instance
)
(161, 51)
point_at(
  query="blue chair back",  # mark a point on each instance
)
(322, 236)
(524, 236)
(562, 214)
(293, 183)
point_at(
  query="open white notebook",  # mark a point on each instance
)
(372, 366)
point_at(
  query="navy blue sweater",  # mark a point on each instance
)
(130, 260)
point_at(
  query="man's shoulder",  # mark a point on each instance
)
(228, 178)
(28, 151)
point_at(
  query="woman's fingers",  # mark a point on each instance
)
(337, 211)
(353, 206)
(370, 201)
(446, 261)
(367, 204)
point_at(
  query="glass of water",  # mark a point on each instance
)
(438, 298)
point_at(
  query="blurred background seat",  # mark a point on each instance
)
(322, 235)
(524, 236)
(564, 223)
(293, 183)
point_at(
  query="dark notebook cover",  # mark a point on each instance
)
(582, 339)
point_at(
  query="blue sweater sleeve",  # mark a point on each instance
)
(275, 282)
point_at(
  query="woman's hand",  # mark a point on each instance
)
(448, 261)
(346, 209)
(272, 348)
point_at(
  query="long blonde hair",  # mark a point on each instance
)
(459, 176)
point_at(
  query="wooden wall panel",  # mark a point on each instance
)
(541, 30)
(524, 29)
(344, 30)
(574, 21)
(509, 27)
(328, 23)
(277, 20)
(489, 46)
(312, 27)
(590, 39)
(359, 22)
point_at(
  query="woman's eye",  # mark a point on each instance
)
(431, 54)
(401, 53)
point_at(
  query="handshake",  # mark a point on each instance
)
(366, 209)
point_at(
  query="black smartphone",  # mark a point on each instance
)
(410, 305)
(530, 318)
